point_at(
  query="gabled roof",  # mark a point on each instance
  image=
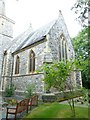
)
(28, 38)
(19, 40)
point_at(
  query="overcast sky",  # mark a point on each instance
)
(39, 13)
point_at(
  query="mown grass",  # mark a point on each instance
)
(56, 110)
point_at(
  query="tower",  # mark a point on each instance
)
(6, 32)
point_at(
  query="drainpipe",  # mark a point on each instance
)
(2, 73)
(3, 70)
(12, 68)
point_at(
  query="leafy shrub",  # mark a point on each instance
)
(30, 90)
(9, 90)
(11, 101)
(85, 94)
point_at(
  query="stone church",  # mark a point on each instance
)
(22, 56)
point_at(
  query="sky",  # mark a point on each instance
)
(39, 13)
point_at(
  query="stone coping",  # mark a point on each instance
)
(49, 94)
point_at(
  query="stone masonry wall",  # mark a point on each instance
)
(54, 39)
(24, 77)
(21, 82)
(6, 26)
(6, 35)
(4, 43)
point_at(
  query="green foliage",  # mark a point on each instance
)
(57, 111)
(56, 74)
(9, 90)
(82, 40)
(85, 94)
(29, 91)
(81, 45)
(11, 101)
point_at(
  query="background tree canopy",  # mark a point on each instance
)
(82, 9)
(81, 46)
(81, 42)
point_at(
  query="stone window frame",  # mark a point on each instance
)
(31, 68)
(63, 54)
(17, 64)
(66, 53)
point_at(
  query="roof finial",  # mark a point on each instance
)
(60, 12)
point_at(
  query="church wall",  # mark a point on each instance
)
(4, 43)
(54, 42)
(21, 82)
(7, 26)
(45, 52)
(54, 39)
(6, 34)
(6, 69)
(22, 79)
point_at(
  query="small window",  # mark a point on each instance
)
(17, 65)
(60, 52)
(32, 61)
(65, 51)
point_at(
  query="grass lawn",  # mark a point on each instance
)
(56, 110)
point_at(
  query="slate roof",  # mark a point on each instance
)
(28, 38)
(19, 40)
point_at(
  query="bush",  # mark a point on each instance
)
(11, 101)
(85, 94)
(9, 90)
(30, 90)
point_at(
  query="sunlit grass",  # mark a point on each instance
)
(56, 110)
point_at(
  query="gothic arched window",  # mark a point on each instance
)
(32, 61)
(66, 51)
(63, 50)
(17, 65)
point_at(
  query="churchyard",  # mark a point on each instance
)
(48, 107)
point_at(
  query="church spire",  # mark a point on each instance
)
(2, 7)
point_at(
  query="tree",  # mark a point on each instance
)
(81, 46)
(81, 9)
(82, 41)
(56, 75)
